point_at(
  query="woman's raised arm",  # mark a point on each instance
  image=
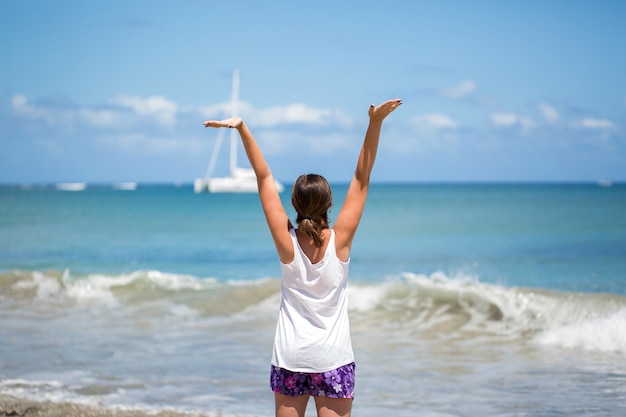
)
(350, 214)
(275, 213)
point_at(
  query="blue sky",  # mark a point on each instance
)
(492, 90)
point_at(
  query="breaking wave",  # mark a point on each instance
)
(434, 305)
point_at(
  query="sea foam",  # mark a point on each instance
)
(463, 306)
(441, 305)
(605, 334)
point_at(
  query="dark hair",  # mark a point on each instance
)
(311, 197)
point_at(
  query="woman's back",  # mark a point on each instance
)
(313, 330)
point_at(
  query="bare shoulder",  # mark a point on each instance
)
(342, 245)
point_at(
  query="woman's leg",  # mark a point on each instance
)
(333, 407)
(288, 406)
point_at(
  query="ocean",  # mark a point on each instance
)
(465, 300)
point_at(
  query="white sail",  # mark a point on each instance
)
(240, 180)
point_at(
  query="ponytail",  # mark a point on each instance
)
(311, 197)
(312, 228)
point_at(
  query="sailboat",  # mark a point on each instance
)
(71, 186)
(240, 180)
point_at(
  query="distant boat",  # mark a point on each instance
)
(71, 186)
(125, 186)
(605, 183)
(240, 180)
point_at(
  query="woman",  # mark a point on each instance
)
(312, 352)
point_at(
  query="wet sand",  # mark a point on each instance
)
(20, 407)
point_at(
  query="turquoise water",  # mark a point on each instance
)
(465, 299)
(567, 237)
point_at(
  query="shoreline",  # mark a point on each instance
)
(23, 407)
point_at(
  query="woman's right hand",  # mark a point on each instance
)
(233, 122)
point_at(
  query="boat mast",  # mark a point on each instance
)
(233, 133)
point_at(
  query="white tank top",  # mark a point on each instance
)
(313, 331)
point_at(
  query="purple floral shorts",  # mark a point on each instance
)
(337, 383)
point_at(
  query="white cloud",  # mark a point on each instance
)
(297, 113)
(19, 102)
(154, 109)
(157, 107)
(431, 131)
(214, 111)
(461, 90)
(596, 124)
(21, 106)
(548, 112)
(294, 141)
(125, 112)
(101, 118)
(504, 119)
(434, 121)
(150, 105)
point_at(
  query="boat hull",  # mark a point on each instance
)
(229, 185)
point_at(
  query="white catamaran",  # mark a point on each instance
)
(240, 180)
